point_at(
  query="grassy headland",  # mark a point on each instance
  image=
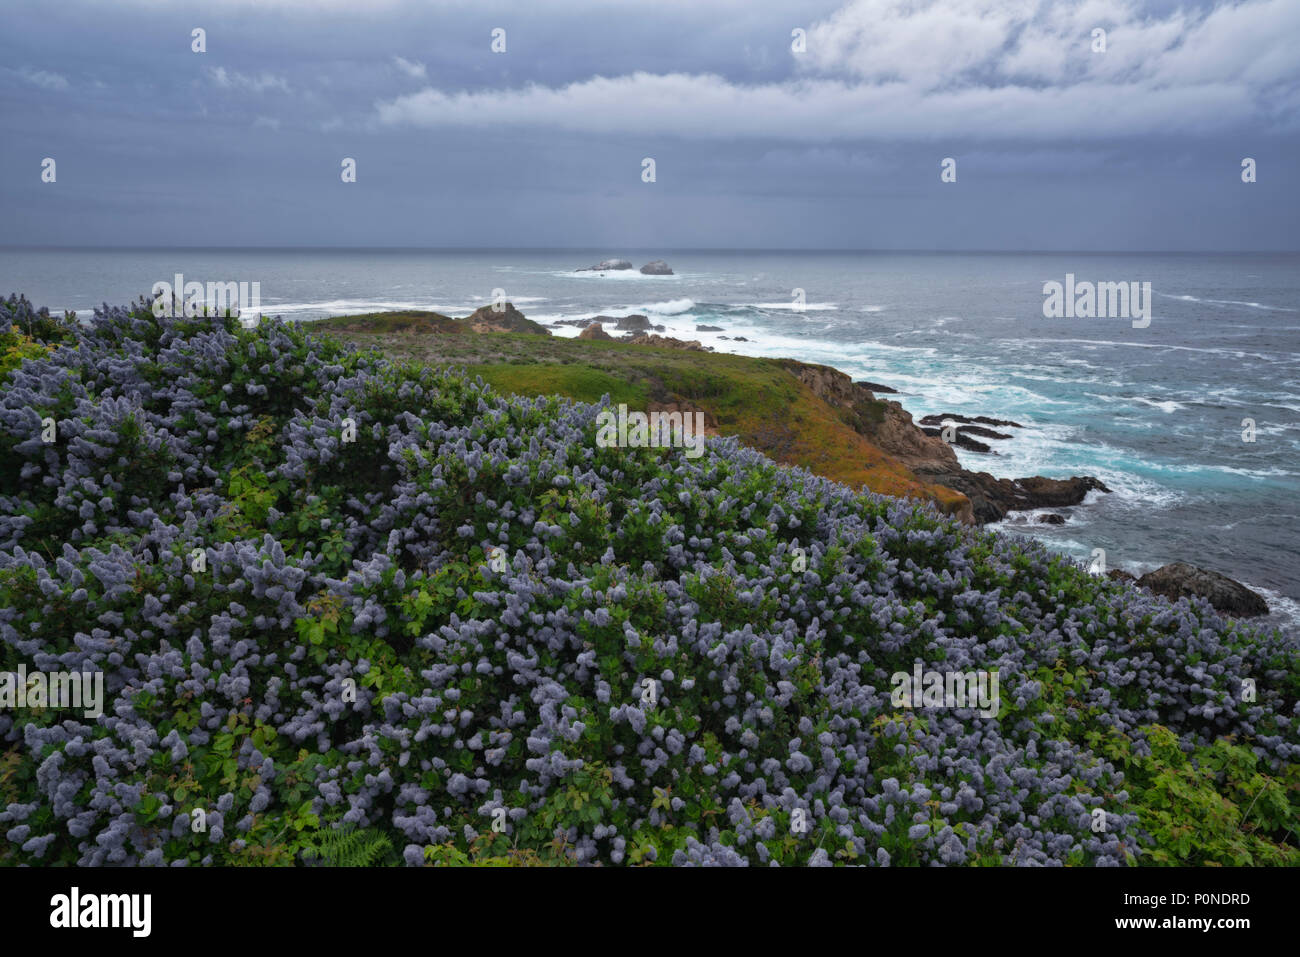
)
(762, 402)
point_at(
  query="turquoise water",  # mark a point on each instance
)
(1156, 413)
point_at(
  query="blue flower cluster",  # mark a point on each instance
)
(468, 607)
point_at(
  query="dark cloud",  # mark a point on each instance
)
(1057, 147)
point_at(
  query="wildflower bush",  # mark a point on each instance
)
(468, 635)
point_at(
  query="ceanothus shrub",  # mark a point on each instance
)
(470, 633)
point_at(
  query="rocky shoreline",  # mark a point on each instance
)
(933, 458)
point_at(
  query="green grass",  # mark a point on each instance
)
(579, 382)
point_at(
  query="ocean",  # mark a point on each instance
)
(1157, 413)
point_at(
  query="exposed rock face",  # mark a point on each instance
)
(709, 329)
(1180, 580)
(886, 423)
(890, 427)
(1119, 575)
(635, 322)
(510, 319)
(657, 268)
(595, 331)
(608, 265)
(1051, 518)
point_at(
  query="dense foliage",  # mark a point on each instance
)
(615, 654)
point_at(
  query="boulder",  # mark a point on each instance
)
(608, 265)
(656, 268)
(633, 323)
(1119, 575)
(595, 331)
(709, 329)
(1180, 580)
(1051, 518)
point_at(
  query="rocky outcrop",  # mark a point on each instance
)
(876, 387)
(1180, 580)
(509, 319)
(657, 268)
(886, 423)
(962, 430)
(665, 342)
(992, 497)
(709, 329)
(961, 440)
(981, 419)
(608, 265)
(595, 331)
(633, 323)
(890, 427)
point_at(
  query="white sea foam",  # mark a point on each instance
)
(343, 307)
(1283, 611)
(1267, 357)
(1168, 407)
(1229, 302)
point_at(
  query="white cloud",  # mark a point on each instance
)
(926, 69)
(414, 69)
(229, 80)
(43, 78)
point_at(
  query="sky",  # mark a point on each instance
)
(771, 124)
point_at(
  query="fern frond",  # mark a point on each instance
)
(348, 846)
